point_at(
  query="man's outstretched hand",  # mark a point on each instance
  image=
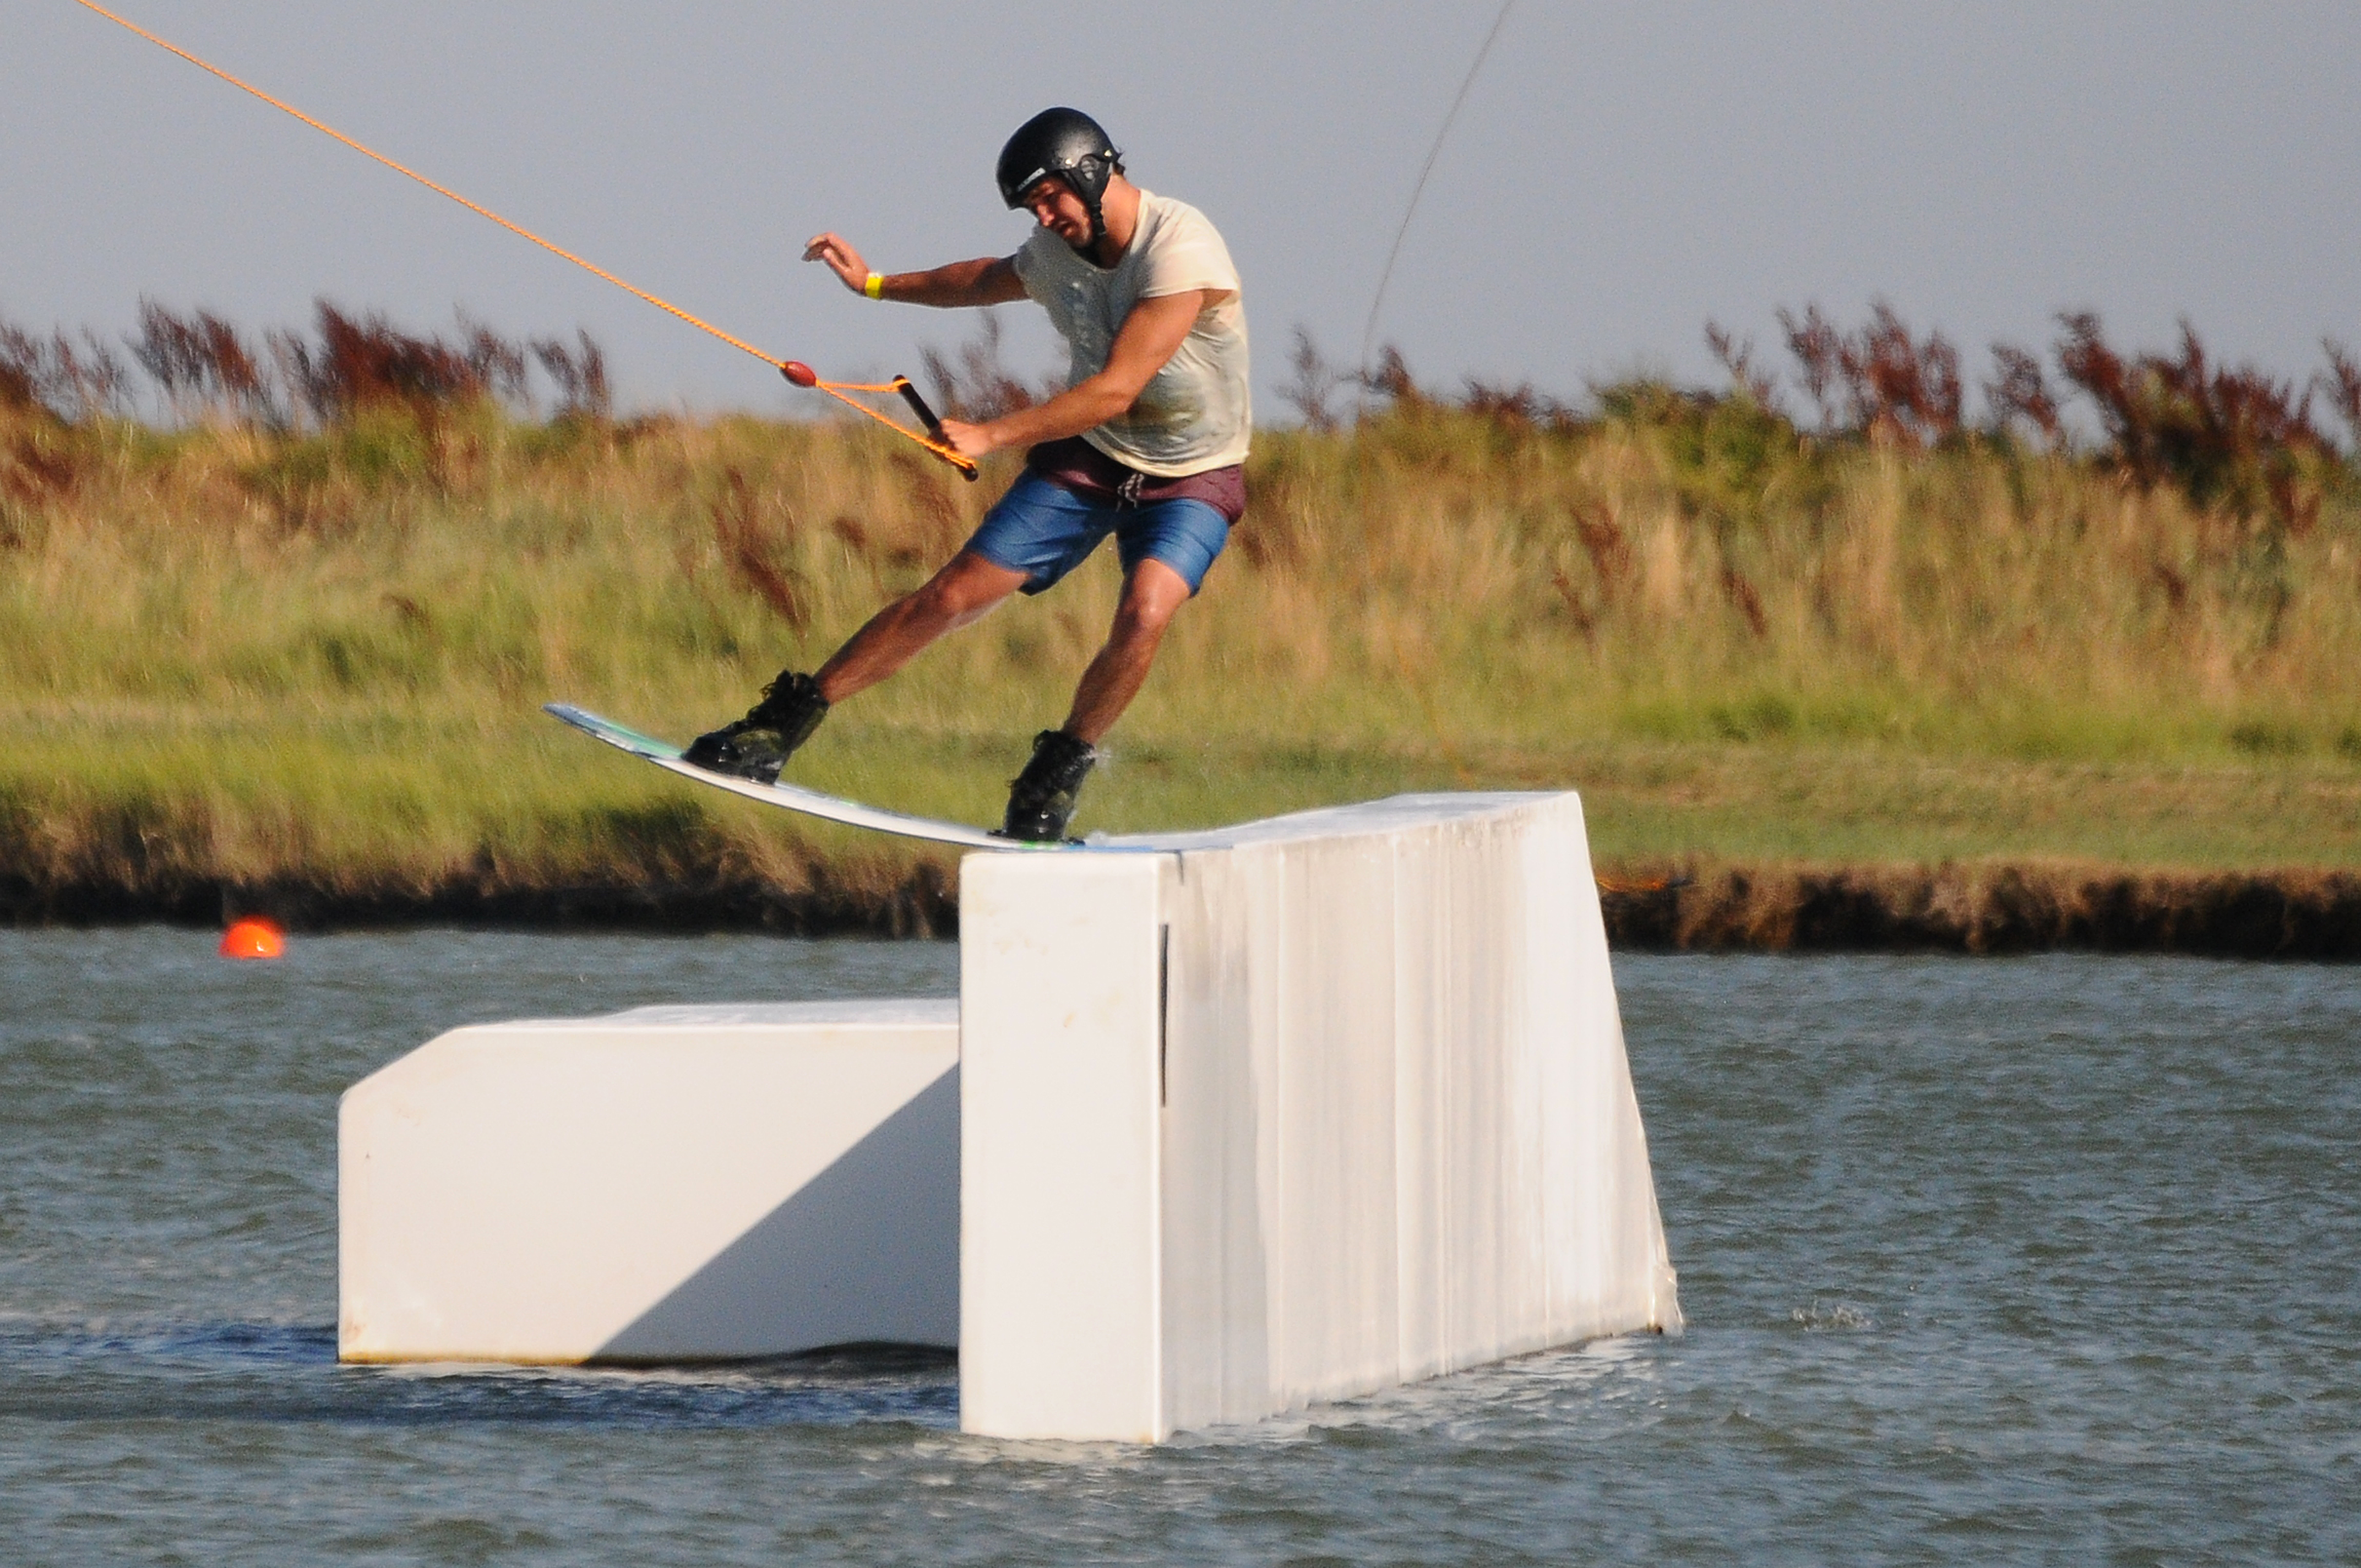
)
(845, 261)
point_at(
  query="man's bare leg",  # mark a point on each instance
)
(757, 746)
(1152, 594)
(1041, 799)
(967, 587)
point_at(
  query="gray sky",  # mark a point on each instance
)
(1620, 174)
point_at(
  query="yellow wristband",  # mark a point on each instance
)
(875, 287)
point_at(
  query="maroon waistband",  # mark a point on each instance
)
(1075, 465)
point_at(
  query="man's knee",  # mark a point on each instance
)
(1152, 595)
(967, 586)
(1141, 620)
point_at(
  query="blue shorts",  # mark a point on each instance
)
(1044, 530)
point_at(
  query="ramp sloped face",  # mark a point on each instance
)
(1304, 1109)
(668, 1184)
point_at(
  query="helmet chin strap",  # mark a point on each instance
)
(1095, 204)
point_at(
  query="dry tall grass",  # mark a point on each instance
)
(257, 648)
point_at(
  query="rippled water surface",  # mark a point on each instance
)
(2053, 1259)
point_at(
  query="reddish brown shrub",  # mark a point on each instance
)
(2229, 436)
(199, 360)
(1880, 381)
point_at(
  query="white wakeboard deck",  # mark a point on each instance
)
(795, 797)
(1401, 808)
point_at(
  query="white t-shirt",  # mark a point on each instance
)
(1194, 414)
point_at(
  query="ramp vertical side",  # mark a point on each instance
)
(1060, 1245)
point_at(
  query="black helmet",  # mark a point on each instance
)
(1068, 144)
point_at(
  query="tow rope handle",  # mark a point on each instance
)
(934, 440)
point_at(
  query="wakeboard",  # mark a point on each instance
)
(795, 797)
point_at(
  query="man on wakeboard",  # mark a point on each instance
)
(1145, 443)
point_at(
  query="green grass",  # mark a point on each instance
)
(320, 654)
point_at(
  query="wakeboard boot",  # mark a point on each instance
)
(1042, 797)
(757, 746)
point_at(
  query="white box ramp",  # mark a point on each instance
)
(1282, 1114)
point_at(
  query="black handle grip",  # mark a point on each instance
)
(935, 429)
(918, 406)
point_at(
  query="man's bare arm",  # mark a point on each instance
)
(1150, 335)
(986, 280)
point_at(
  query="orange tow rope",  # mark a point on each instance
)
(800, 373)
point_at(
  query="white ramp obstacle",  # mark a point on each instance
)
(1219, 1128)
(1313, 1107)
(667, 1184)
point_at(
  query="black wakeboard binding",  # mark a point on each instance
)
(1042, 797)
(757, 746)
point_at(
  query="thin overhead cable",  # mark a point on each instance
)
(1370, 328)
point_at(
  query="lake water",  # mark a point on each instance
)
(2040, 1260)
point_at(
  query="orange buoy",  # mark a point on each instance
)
(253, 937)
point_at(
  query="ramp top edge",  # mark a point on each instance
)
(903, 1011)
(1392, 813)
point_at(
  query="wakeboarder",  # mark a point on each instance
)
(1147, 442)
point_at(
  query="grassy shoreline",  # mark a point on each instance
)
(303, 665)
(1980, 908)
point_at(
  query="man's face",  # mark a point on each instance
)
(1055, 207)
